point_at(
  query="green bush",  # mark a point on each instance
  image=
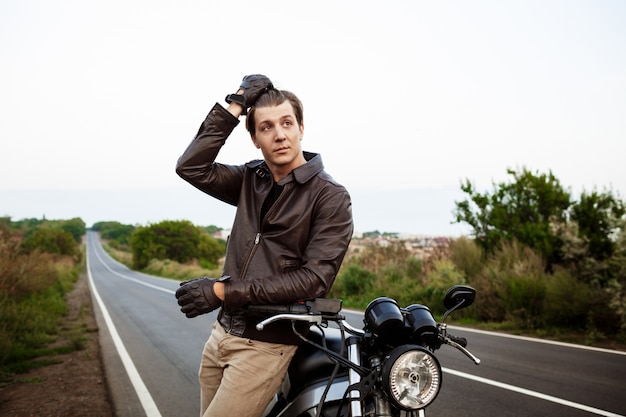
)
(117, 233)
(603, 320)
(617, 301)
(510, 286)
(32, 289)
(443, 275)
(23, 273)
(75, 227)
(523, 299)
(51, 240)
(400, 280)
(28, 325)
(354, 285)
(179, 241)
(210, 250)
(467, 256)
(567, 302)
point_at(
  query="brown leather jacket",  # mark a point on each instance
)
(292, 254)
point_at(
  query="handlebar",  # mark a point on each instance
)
(324, 306)
(279, 309)
(315, 311)
(310, 318)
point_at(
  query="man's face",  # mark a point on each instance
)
(278, 135)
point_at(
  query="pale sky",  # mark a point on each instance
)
(403, 99)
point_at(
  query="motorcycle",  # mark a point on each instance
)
(386, 369)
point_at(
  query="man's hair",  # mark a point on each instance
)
(275, 98)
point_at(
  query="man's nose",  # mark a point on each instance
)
(280, 133)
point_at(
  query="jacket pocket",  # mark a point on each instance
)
(291, 265)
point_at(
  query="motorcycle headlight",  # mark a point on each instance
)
(411, 377)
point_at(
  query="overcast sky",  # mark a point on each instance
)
(403, 99)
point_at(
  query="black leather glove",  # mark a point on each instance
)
(253, 86)
(197, 297)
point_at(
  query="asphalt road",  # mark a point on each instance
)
(151, 354)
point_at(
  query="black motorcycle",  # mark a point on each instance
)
(385, 369)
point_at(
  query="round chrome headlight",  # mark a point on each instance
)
(411, 377)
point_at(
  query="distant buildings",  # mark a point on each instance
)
(421, 246)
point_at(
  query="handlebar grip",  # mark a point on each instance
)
(460, 340)
(279, 309)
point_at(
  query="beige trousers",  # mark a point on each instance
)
(239, 377)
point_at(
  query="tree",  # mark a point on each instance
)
(75, 227)
(51, 240)
(211, 229)
(179, 241)
(600, 216)
(114, 231)
(210, 249)
(521, 210)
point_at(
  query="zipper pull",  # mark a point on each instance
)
(257, 238)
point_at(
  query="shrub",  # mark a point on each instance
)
(523, 299)
(353, 283)
(394, 282)
(32, 289)
(489, 306)
(23, 273)
(443, 275)
(51, 240)
(75, 227)
(567, 301)
(467, 256)
(617, 301)
(179, 241)
(511, 286)
(117, 233)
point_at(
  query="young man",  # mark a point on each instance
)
(291, 231)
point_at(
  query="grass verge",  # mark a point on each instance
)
(32, 332)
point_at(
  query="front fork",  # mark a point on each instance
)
(354, 356)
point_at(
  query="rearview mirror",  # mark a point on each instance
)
(459, 296)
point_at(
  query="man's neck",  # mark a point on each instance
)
(281, 171)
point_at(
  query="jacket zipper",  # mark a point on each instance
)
(244, 271)
(257, 238)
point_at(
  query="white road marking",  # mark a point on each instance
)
(145, 398)
(129, 278)
(536, 340)
(531, 393)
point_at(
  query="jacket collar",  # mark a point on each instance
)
(301, 174)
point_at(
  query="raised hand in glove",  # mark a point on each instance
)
(253, 86)
(197, 296)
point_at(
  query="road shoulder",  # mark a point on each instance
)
(76, 384)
